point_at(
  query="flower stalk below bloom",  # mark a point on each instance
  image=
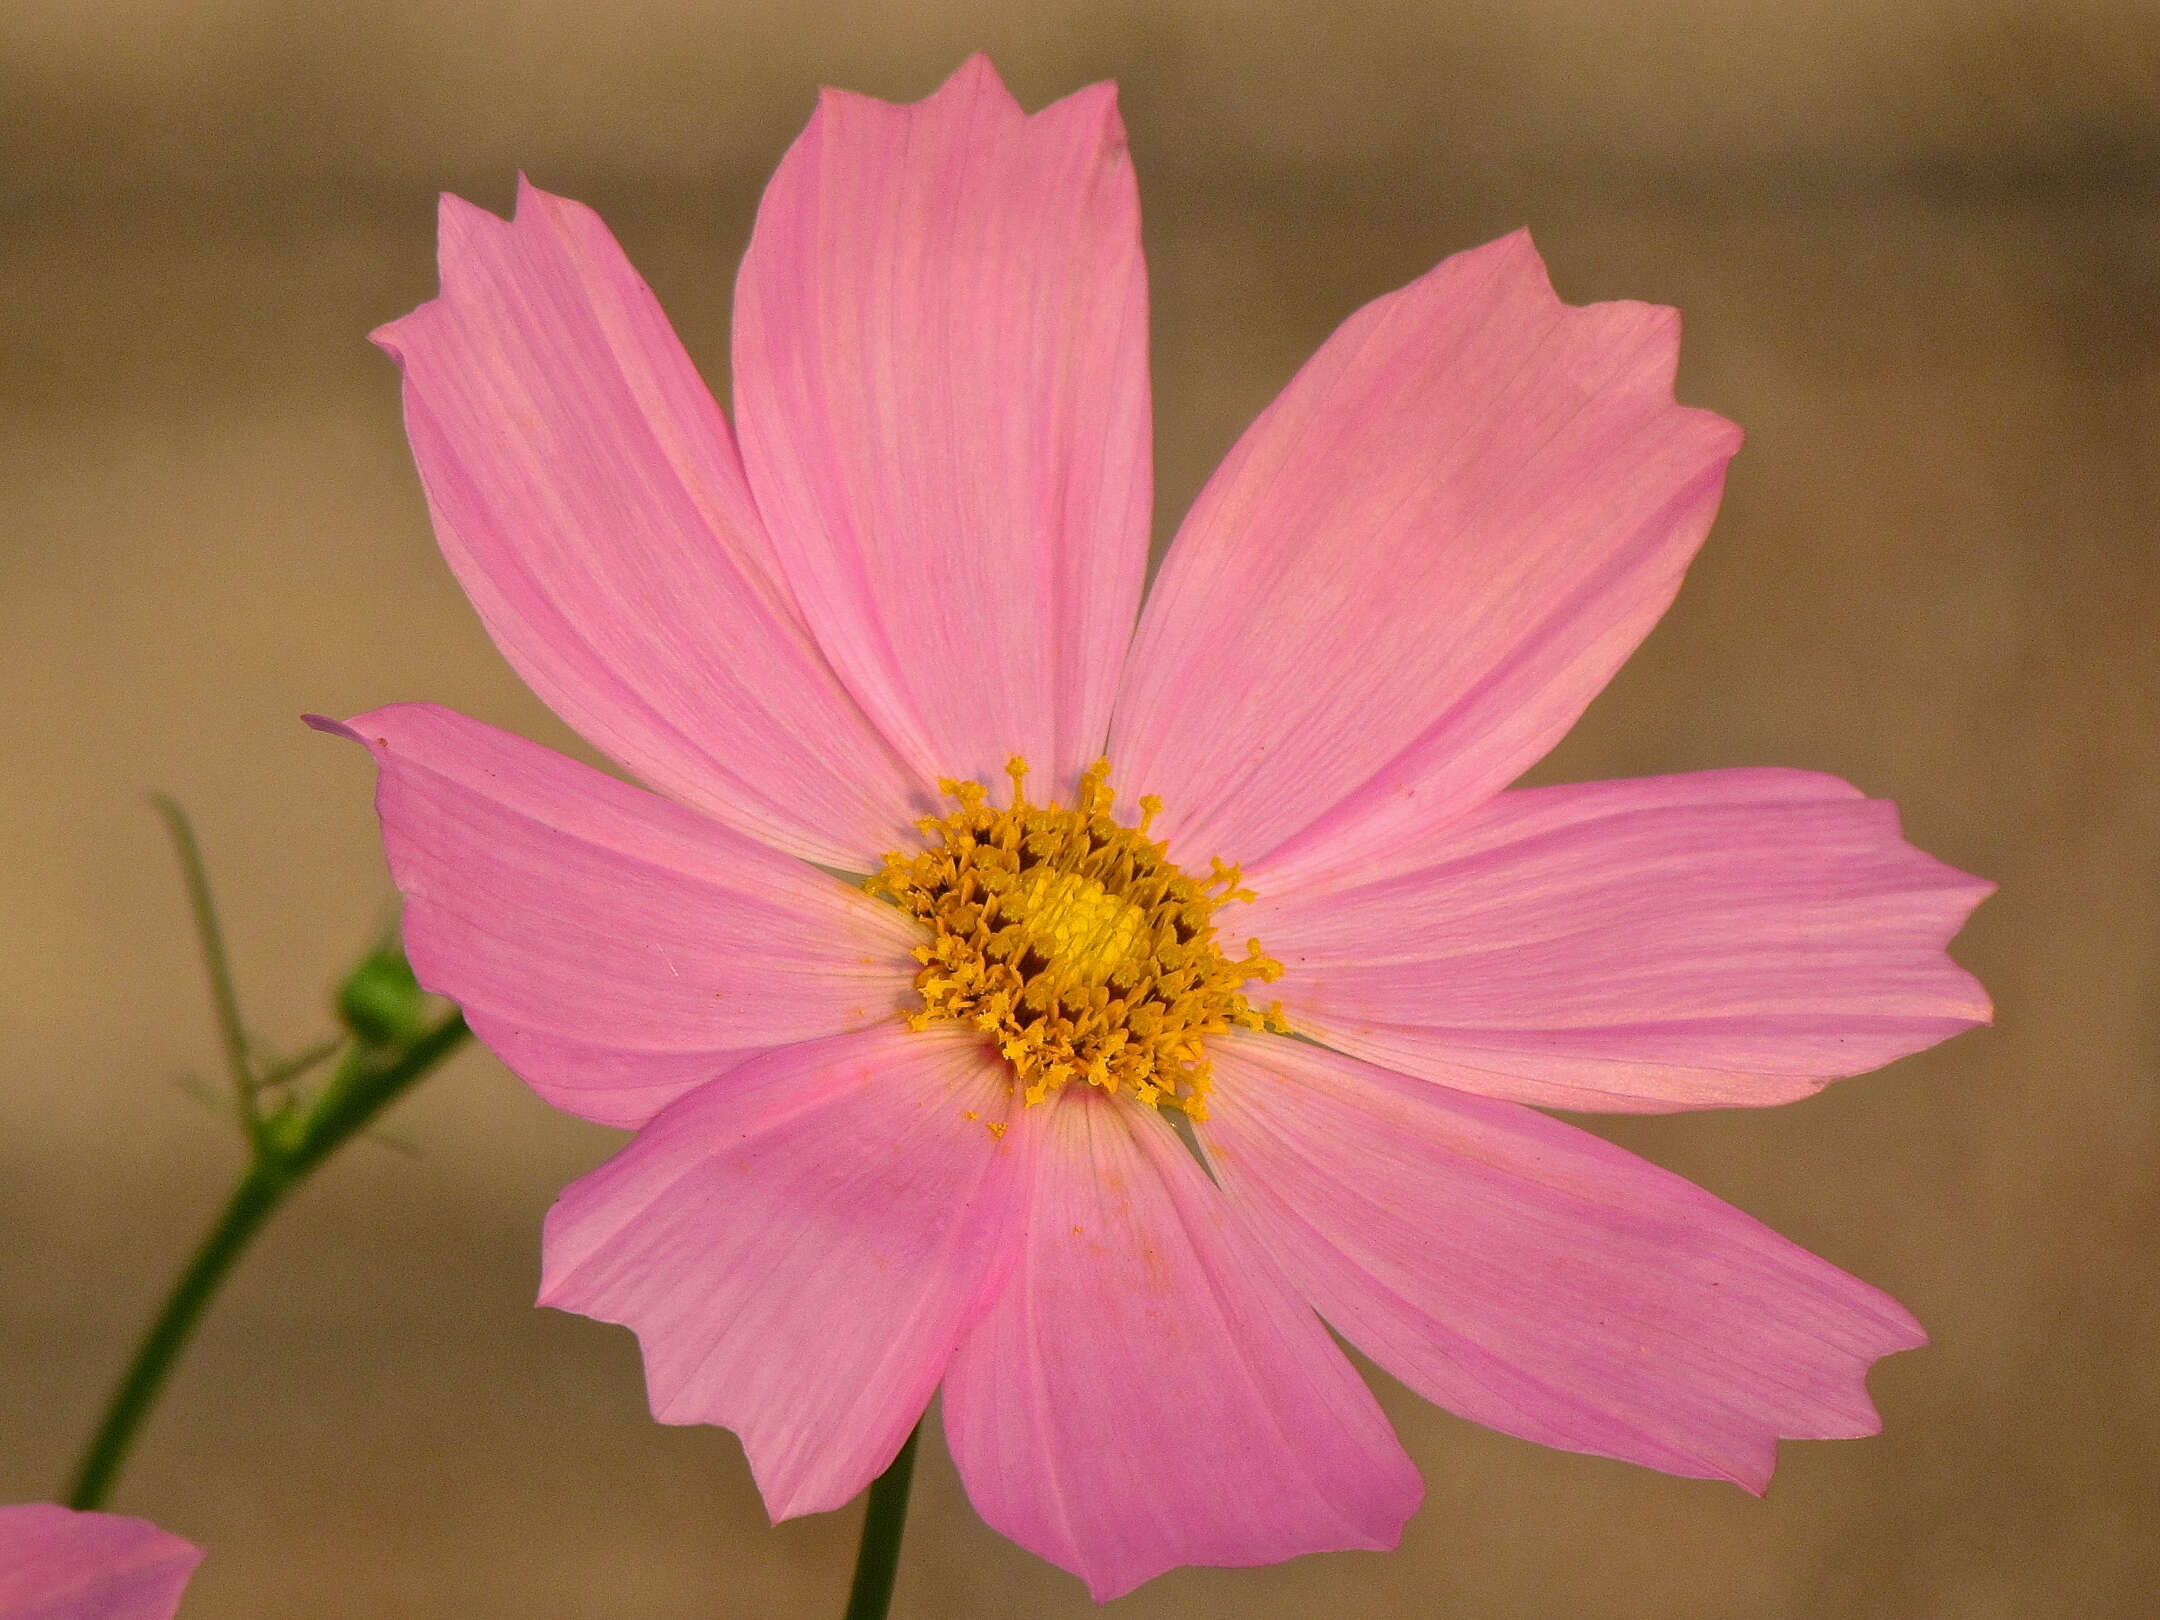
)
(877, 1559)
(391, 1041)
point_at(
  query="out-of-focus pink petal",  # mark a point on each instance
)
(57, 1564)
(941, 386)
(1146, 1391)
(589, 496)
(1418, 564)
(1535, 1278)
(613, 948)
(798, 1248)
(1727, 938)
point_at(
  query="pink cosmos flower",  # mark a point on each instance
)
(914, 1134)
(56, 1564)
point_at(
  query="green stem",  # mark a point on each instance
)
(362, 1087)
(884, 1519)
(255, 1197)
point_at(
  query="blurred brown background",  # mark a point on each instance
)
(1918, 245)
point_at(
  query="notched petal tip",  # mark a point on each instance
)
(977, 73)
(1955, 894)
(537, 208)
(977, 78)
(1907, 1333)
(461, 226)
(1519, 247)
(1658, 326)
(457, 222)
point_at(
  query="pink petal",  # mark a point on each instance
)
(56, 1564)
(798, 1249)
(1418, 565)
(1722, 939)
(589, 496)
(1146, 1391)
(613, 948)
(941, 381)
(1535, 1278)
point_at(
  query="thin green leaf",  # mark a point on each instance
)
(224, 999)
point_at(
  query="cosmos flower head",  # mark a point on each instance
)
(967, 879)
(57, 1564)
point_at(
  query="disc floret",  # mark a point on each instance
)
(1075, 943)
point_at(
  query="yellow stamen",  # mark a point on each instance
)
(1074, 943)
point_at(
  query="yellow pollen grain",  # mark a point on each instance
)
(1074, 943)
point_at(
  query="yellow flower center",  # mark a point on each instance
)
(1074, 943)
